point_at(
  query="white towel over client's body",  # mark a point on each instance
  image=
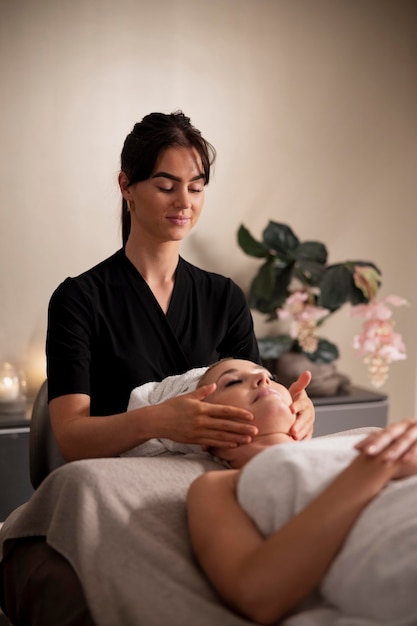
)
(374, 577)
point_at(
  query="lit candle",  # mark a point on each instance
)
(9, 388)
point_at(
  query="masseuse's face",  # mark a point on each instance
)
(249, 386)
(166, 206)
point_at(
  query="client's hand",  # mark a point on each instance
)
(303, 408)
(396, 441)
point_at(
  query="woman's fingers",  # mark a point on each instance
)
(203, 423)
(302, 407)
(299, 385)
(393, 442)
(302, 429)
(305, 414)
(223, 432)
(215, 410)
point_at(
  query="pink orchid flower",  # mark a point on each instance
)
(378, 343)
(304, 318)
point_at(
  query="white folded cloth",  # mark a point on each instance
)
(156, 393)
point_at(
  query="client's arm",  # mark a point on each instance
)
(265, 579)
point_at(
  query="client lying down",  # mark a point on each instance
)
(331, 523)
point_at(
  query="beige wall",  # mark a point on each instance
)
(312, 107)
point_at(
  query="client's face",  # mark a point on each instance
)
(250, 386)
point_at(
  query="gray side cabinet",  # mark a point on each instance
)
(361, 407)
(15, 485)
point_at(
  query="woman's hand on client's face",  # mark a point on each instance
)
(396, 442)
(187, 419)
(302, 407)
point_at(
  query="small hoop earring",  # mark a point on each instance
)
(130, 206)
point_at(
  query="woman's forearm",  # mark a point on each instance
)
(266, 579)
(80, 436)
(184, 418)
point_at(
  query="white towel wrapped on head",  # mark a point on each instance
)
(156, 393)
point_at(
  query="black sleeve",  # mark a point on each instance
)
(68, 341)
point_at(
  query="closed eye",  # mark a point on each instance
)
(171, 189)
(236, 381)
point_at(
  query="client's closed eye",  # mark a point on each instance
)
(236, 381)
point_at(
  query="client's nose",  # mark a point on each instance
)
(262, 379)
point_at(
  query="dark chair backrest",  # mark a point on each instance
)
(44, 454)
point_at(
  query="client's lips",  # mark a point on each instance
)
(178, 220)
(266, 391)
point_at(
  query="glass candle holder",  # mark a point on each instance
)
(12, 389)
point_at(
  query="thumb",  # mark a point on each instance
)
(300, 384)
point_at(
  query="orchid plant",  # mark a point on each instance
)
(295, 283)
(378, 343)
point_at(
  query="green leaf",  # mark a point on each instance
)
(336, 287)
(281, 239)
(250, 245)
(312, 251)
(311, 257)
(309, 272)
(273, 347)
(262, 287)
(326, 352)
(269, 288)
(357, 296)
